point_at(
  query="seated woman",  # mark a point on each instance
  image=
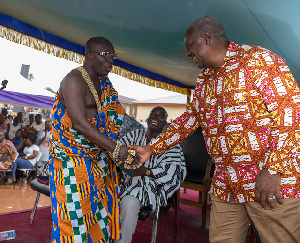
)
(8, 152)
(19, 142)
(30, 153)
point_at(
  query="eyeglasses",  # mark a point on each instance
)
(105, 54)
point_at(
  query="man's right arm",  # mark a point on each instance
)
(176, 132)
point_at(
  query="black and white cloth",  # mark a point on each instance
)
(168, 169)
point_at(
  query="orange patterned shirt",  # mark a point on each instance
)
(249, 113)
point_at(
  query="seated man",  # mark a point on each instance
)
(13, 127)
(8, 153)
(19, 142)
(38, 125)
(43, 139)
(167, 169)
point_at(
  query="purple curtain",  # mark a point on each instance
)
(26, 99)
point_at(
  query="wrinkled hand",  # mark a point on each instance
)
(267, 186)
(144, 153)
(123, 155)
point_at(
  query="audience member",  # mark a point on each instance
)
(31, 119)
(3, 124)
(38, 125)
(14, 126)
(43, 140)
(20, 116)
(5, 113)
(8, 153)
(28, 160)
(167, 169)
(19, 142)
(9, 118)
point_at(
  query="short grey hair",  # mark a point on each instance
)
(208, 24)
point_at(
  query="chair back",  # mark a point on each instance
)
(38, 157)
(196, 156)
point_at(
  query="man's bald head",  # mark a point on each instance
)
(94, 41)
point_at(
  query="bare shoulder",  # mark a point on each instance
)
(73, 78)
(73, 83)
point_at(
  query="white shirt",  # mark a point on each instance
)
(39, 127)
(44, 147)
(13, 129)
(28, 151)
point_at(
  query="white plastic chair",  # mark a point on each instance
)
(28, 171)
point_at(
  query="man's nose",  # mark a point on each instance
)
(188, 54)
(110, 59)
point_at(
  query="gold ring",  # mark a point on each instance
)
(131, 152)
(129, 160)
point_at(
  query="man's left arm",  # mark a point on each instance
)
(281, 96)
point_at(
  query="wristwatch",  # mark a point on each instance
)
(272, 172)
(148, 172)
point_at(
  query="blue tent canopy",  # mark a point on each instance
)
(148, 35)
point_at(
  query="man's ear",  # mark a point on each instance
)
(207, 37)
(89, 55)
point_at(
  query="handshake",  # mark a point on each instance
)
(133, 156)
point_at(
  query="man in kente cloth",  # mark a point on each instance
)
(86, 118)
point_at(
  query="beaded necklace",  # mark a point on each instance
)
(89, 82)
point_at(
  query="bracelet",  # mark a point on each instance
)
(115, 154)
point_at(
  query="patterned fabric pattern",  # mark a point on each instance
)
(7, 147)
(83, 182)
(168, 168)
(249, 113)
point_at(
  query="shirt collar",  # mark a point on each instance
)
(233, 51)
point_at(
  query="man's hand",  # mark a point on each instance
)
(123, 155)
(267, 189)
(143, 151)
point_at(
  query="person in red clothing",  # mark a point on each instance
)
(247, 103)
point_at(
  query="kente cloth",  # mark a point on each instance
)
(83, 182)
(7, 147)
(169, 170)
(249, 113)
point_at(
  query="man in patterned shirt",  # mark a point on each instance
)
(247, 103)
(167, 169)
